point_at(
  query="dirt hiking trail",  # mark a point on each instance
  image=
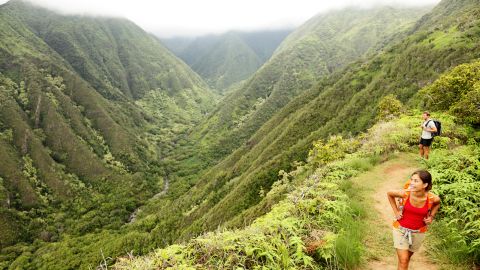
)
(374, 185)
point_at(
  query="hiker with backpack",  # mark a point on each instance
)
(416, 211)
(429, 130)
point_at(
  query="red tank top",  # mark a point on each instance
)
(412, 217)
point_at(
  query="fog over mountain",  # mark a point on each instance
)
(193, 18)
(238, 144)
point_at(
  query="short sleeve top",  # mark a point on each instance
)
(426, 134)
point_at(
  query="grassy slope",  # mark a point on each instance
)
(232, 186)
(229, 192)
(307, 55)
(76, 143)
(319, 223)
(342, 104)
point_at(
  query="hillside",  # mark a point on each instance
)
(325, 220)
(324, 216)
(255, 164)
(229, 193)
(92, 170)
(82, 132)
(324, 44)
(223, 60)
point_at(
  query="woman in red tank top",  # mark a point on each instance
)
(419, 209)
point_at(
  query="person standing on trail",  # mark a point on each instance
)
(428, 127)
(416, 212)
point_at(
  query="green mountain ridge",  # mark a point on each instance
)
(63, 106)
(111, 52)
(228, 194)
(78, 134)
(223, 60)
(310, 53)
(343, 103)
(234, 61)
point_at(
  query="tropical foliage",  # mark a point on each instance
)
(345, 103)
(79, 142)
(309, 227)
(110, 145)
(457, 91)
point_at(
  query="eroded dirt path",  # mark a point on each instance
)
(375, 183)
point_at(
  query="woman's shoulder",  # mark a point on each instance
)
(433, 197)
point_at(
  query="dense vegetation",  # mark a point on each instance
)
(127, 115)
(80, 141)
(317, 224)
(223, 60)
(228, 193)
(457, 172)
(323, 45)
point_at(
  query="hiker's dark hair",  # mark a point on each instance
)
(427, 113)
(426, 178)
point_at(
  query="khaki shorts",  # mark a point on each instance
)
(400, 242)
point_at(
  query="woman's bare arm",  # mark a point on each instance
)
(391, 198)
(433, 212)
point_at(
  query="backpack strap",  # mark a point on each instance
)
(402, 203)
(407, 184)
(405, 197)
(430, 198)
(432, 132)
(428, 122)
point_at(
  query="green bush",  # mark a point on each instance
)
(334, 149)
(457, 91)
(308, 229)
(389, 107)
(456, 176)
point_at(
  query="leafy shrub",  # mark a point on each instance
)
(389, 107)
(303, 231)
(468, 108)
(457, 91)
(456, 177)
(334, 149)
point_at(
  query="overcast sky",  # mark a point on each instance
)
(197, 17)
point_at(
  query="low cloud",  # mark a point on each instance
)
(191, 17)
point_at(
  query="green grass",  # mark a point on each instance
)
(349, 246)
(448, 247)
(443, 39)
(230, 171)
(78, 153)
(457, 179)
(341, 232)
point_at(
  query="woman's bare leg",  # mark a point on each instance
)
(403, 258)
